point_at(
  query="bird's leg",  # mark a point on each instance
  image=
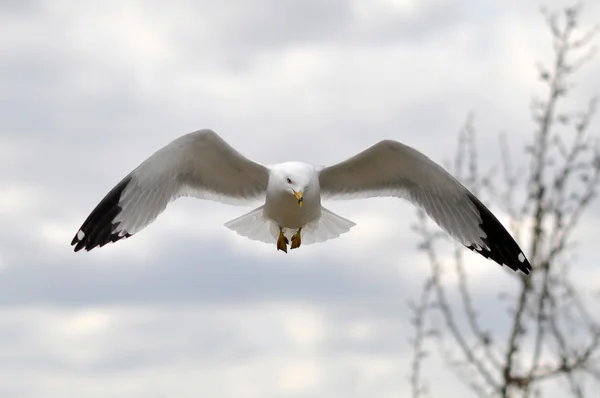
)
(282, 241)
(296, 241)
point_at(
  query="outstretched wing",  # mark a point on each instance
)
(199, 164)
(390, 168)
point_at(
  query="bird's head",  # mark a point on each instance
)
(296, 189)
(294, 180)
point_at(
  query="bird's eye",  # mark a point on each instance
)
(289, 181)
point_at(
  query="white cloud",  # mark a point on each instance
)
(269, 350)
(17, 200)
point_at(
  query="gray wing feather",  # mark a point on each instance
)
(390, 168)
(199, 164)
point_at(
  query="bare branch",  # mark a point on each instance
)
(483, 338)
(444, 307)
(419, 322)
(551, 335)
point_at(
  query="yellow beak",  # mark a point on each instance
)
(298, 195)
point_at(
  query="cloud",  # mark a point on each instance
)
(189, 350)
(193, 267)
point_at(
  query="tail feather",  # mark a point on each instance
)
(254, 225)
(329, 226)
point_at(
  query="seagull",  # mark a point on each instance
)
(203, 165)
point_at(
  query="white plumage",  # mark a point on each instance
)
(203, 165)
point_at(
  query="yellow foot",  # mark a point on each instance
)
(296, 240)
(282, 241)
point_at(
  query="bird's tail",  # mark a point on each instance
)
(254, 225)
(328, 226)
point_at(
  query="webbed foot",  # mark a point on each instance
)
(282, 241)
(296, 240)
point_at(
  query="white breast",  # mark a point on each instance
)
(286, 212)
(282, 207)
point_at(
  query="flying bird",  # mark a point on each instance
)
(201, 164)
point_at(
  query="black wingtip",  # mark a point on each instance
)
(99, 229)
(502, 247)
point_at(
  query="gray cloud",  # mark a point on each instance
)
(251, 28)
(201, 341)
(185, 272)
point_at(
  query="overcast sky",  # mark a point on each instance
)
(187, 308)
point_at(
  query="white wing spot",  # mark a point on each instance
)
(521, 257)
(80, 235)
